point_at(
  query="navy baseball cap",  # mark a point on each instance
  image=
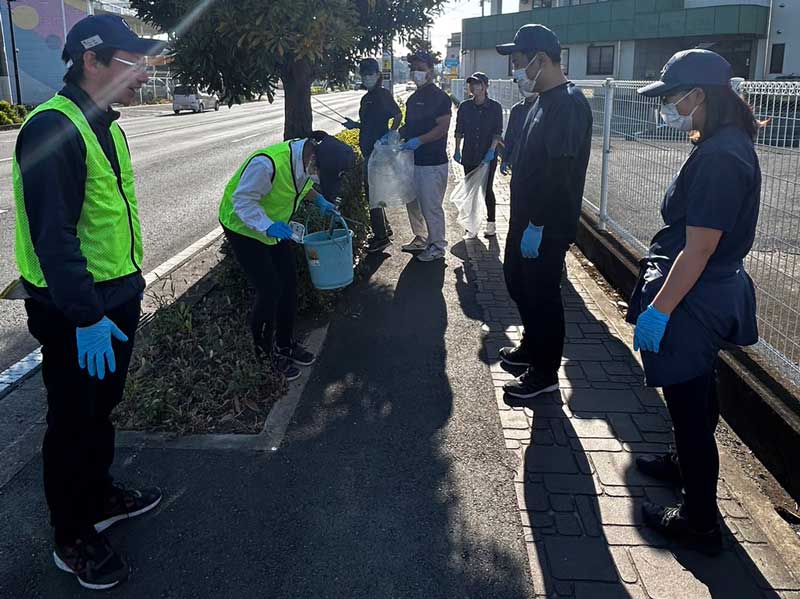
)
(334, 158)
(688, 69)
(369, 65)
(532, 38)
(421, 56)
(479, 78)
(107, 31)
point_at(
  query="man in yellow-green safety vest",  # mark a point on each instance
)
(78, 248)
(258, 203)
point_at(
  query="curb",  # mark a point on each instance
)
(22, 370)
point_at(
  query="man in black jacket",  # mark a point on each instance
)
(546, 193)
(79, 251)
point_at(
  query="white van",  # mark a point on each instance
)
(189, 97)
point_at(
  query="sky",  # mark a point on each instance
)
(450, 20)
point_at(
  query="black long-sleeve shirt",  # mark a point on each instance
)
(52, 159)
(479, 125)
(549, 169)
(516, 120)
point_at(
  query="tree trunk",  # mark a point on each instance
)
(296, 79)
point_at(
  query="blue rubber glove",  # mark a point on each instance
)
(325, 207)
(650, 327)
(280, 230)
(531, 240)
(505, 168)
(94, 347)
(351, 124)
(490, 154)
(457, 156)
(412, 144)
(384, 141)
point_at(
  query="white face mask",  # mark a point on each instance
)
(526, 86)
(370, 81)
(420, 77)
(673, 118)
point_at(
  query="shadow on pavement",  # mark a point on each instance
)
(393, 480)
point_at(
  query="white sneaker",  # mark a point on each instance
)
(491, 230)
(417, 244)
(431, 254)
(470, 235)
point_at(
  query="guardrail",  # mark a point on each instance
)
(635, 157)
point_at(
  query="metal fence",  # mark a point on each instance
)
(635, 157)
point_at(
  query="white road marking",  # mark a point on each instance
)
(248, 137)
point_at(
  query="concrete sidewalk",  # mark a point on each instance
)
(403, 475)
(577, 486)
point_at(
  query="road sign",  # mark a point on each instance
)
(451, 61)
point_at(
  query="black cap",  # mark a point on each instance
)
(369, 65)
(334, 157)
(533, 38)
(107, 31)
(421, 56)
(478, 78)
(688, 69)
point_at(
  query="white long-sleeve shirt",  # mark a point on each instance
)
(256, 182)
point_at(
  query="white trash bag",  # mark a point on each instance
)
(391, 175)
(469, 196)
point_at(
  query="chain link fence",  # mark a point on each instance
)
(635, 158)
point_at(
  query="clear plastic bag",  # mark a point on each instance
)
(391, 175)
(469, 196)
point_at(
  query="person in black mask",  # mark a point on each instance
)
(377, 108)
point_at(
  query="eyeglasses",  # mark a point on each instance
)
(139, 66)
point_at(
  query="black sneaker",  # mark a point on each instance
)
(93, 561)
(123, 503)
(661, 467)
(286, 368)
(297, 354)
(671, 523)
(515, 356)
(527, 386)
(376, 245)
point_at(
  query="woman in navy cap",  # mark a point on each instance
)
(259, 201)
(693, 295)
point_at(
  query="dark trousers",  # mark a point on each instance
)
(377, 216)
(535, 286)
(78, 447)
(271, 270)
(694, 409)
(491, 203)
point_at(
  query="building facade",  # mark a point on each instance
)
(632, 39)
(40, 27)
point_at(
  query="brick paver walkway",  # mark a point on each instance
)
(578, 490)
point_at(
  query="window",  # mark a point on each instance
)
(565, 60)
(776, 60)
(600, 60)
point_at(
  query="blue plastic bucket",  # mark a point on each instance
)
(330, 256)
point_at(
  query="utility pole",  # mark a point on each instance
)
(14, 51)
(5, 83)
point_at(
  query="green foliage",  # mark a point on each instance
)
(10, 115)
(240, 48)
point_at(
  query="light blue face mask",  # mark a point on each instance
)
(674, 119)
(370, 81)
(526, 86)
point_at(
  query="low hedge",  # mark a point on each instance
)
(12, 114)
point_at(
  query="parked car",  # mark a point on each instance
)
(411, 86)
(189, 97)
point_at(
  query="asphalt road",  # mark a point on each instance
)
(182, 164)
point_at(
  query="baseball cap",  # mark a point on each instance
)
(532, 38)
(369, 65)
(478, 78)
(334, 157)
(421, 56)
(107, 31)
(688, 69)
